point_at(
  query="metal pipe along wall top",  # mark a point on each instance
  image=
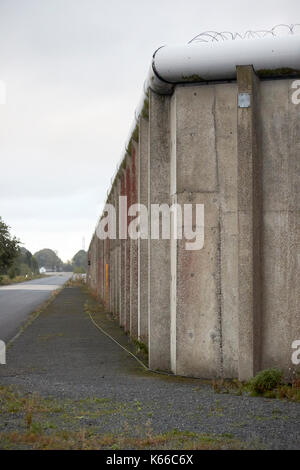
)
(205, 61)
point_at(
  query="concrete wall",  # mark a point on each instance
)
(280, 128)
(231, 308)
(204, 161)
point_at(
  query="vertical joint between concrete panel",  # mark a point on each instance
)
(249, 225)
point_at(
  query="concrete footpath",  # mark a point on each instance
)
(96, 385)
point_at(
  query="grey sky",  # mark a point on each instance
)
(74, 70)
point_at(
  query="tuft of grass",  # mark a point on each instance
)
(289, 392)
(266, 381)
(228, 386)
(141, 347)
(13, 401)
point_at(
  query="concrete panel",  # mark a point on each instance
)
(198, 333)
(142, 243)
(134, 247)
(123, 262)
(196, 141)
(159, 250)
(117, 245)
(226, 148)
(100, 264)
(205, 317)
(127, 245)
(281, 234)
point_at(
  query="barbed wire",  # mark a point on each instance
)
(211, 36)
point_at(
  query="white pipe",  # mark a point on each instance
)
(218, 60)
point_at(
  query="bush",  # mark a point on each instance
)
(266, 381)
(12, 272)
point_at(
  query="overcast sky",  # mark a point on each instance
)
(74, 71)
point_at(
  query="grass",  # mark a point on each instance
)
(34, 422)
(6, 280)
(13, 401)
(268, 383)
(87, 440)
(141, 347)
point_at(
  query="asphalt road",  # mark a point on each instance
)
(17, 301)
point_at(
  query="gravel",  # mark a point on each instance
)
(64, 356)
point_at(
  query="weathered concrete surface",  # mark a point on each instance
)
(280, 128)
(134, 247)
(128, 245)
(226, 148)
(159, 275)
(118, 252)
(204, 283)
(195, 310)
(123, 259)
(100, 265)
(143, 243)
(114, 278)
(107, 269)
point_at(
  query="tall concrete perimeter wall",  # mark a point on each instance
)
(231, 308)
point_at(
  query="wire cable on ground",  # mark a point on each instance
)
(134, 356)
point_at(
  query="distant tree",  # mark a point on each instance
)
(23, 264)
(80, 261)
(48, 259)
(9, 248)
